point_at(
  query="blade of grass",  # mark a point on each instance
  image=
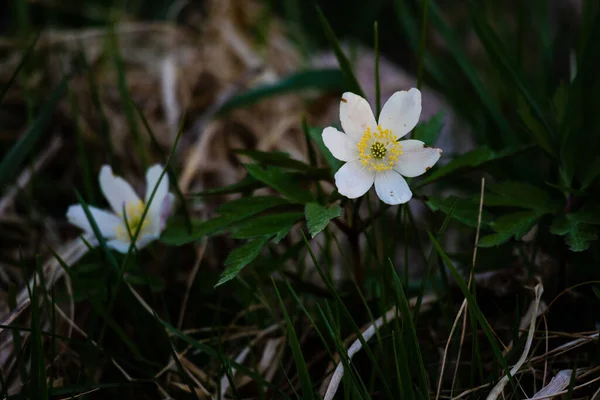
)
(38, 388)
(114, 161)
(122, 269)
(348, 317)
(345, 65)
(353, 376)
(126, 100)
(410, 331)
(474, 309)
(83, 160)
(12, 161)
(182, 372)
(24, 58)
(305, 382)
(377, 80)
(422, 44)
(172, 177)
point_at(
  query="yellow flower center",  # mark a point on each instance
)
(132, 218)
(379, 150)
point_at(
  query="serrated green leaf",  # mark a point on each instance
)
(463, 210)
(321, 79)
(318, 216)
(240, 258)
(581, 237)
(472, 159)
(280, 181)
(494, 239)
(578, 227)
(266, 225)
(429, 131)
(232, 212)
(251, 205)
(518, 223)
(511, 225)
(518, 194)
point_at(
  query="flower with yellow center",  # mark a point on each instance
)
(121, 225)
(372, 151)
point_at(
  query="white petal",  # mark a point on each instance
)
(340, 145)
(353, 180)
(392, 188)
(107, 222)
(416, 158)
(401, 112)
(165, 212)
(356, 115)
(152, 176)
(118, 245)
(116, 190)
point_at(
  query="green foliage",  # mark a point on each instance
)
(14, 159)
(429, 131)
(241, 257)
(318, 217)
(322, 79)
(463, 210)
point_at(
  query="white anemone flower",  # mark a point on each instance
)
(117, 228)
(372, 151)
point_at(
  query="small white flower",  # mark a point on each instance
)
(121, 197)
(372, 151)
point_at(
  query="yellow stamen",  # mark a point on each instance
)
(379, 150)
(133, 212)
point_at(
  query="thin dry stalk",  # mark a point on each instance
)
(533, 312)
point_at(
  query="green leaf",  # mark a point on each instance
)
(241, 257)
(515, 224)
(577, 227)
(318, 217)
(275, 159)
(345, 65)
(248, 206)
(463, 210)
(535, 128)
(593, 171)
(429, 131)
(494, 239)
(15, 73)
(13, 160)
(559, 101)
(472, 159)
(316, 135)
(266, 226)
(321, 79)
(248, 183)
(232, 212)
(280, 181)
(518, 194)
(305, 381)
(474, 308)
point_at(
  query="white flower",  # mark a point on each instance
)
(372, 151)
(121, 197)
